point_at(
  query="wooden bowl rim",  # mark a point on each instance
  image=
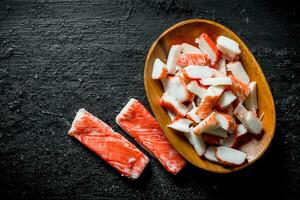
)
(190, 21)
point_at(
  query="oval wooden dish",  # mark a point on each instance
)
(187, 31)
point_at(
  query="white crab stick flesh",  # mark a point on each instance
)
(210, 154)
(182, 125)
(218, 74)
(253, 124)
(221, 66)
(238, 71)
(240, 112)
(159, 70)
(175, 86)
(197, 72)
(172, 58)
(190, 49)
(251, 100)
(196, 141)
(169, 103)
(210, 99)
(226, 99)
(207, 46)
(171, 115)
(216, 81)
(193, 116)
(195, 88)
(225, 121)
(230, 156)
(208, 123)
(241, 130)
(219, 132)
(228, 46)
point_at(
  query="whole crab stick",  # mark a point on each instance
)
(112, 147)
(136, 120)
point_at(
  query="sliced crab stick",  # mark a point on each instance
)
(195, 88)
(191, 115)
(241, 130)
(239, 89)
(238, 71)
(190, 49)
(192, 59)
(136, 120)
(208, 123)
(196, 141)
(219, 132)
(225, 121)
(182, 125)
(159, 70)
(169, 103)
(216, 81)
(197, 72)
(251, 100)
(210, 154)
(228, 46)
(175, 86)
(210, 99)
(218, 74)
(240, 112)
(253, 124)
(207, 46)
(109, 145)
(221, 66)
(229, 156)
(173, 58)
(226, 99)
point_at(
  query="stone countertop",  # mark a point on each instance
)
(57, 56)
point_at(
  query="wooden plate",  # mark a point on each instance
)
(187, 31)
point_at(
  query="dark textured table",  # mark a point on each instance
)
(61, 55)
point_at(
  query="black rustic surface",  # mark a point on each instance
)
(61, 55)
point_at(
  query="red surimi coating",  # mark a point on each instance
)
(192, 59)
(136, 120)
(112, 147)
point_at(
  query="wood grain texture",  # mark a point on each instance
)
(187, 31)
(57, 56)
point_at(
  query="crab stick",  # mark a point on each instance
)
(207, 46)
(208, 123)
(195, 88)
(112, 147)
(169, 103)
(136, 120)
(192, 59)
(237, 69)
(159, 70)
(173, 58)
(210, 99)
(228, 46)
(197, 72)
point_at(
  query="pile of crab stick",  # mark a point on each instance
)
(210, 97)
